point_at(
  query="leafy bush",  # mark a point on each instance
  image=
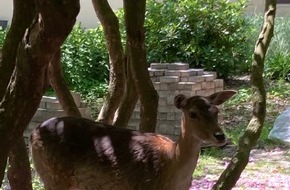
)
(2, 36)
(277, 63)
(208, 34)
(278, 56)
(85, 61)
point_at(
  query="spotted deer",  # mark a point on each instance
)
(80, 154)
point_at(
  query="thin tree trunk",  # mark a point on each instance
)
(129, 100)
(134, 20)
(19, 174)
(239, 161)
(54, 21)
(110, 24)
(57, 81)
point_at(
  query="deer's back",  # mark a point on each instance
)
(76, 153)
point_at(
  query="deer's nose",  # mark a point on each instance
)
(220, 136)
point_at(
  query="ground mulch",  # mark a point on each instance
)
(267, 170)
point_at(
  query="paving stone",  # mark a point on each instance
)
(156, 72)
(178, 66)
(49, 99)
(169, 79)
(218, 83)
(172, 86)
(165, 94)
(166, 109)
(42, 105)
(185, 85)
(77, 98)
(201, 93)
(162, 116)
(208, 77)
(171, 116)
(172, 73)
(188, 73)
(156, 85)
(210, 73)
(196, 86)
(183, 79)
(53, 106)
(162, 102)
(196, 79)
(164, 86)
(218, 89)
(210, 91)
(158, 65)
(207, 85)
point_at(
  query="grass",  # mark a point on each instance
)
(237, 111)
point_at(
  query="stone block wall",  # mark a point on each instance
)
(170, 80)
(50, 107)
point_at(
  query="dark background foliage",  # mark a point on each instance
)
(214, 35)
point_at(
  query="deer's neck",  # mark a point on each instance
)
(186, 154)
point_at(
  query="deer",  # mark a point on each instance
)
(71, 153)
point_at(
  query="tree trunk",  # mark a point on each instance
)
(57, 81)
(110, 24)
(24, 11)
(23, 14)
(129, 100)
(54, 21)
(239, 161)
(134, 20)
(19, 174)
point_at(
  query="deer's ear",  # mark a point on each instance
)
(180, 101)
(220, 97)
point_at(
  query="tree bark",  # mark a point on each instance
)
(19, 174)
(134, 20)
(54, 21)
(240, 159)
(24, 11)
(57, 81)
(23, 14)
(129, 100)
(110, 24)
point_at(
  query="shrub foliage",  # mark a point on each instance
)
(2, 36)
(214, 35)
(208, 34)
(278, 59)
(85, 61)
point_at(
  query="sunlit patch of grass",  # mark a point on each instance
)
(243, 96)
(237, 111)
(210, 162)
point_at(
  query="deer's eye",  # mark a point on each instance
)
(192, 115)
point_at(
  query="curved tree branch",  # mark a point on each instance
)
(57, 81)
(19, 166)
(23, 14)
(129, 100)
(240, 159)
(54, 21)
(110, 24)
(134, 20)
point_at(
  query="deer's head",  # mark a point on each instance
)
(200, 116)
